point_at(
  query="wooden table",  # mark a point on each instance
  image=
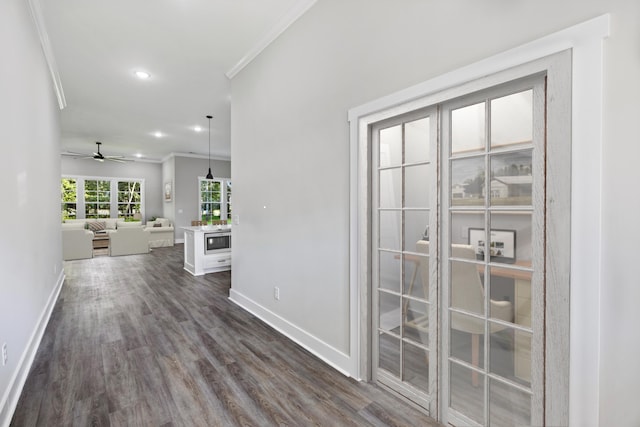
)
(101, 240)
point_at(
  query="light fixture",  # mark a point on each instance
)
(197, 128)
(157, 134)
(142, 75)
(209, 175)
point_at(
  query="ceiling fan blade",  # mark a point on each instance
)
(117, 159)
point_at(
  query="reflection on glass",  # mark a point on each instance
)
(512, 119)
(468, 129)
(465, 398)
(416, 323)
(511, 178)
(390, 188)
(416, 366)
(389, 229)
(517, 229)
(389, 271)
(508, 406)
(389, 312)
(416, 186)
(415, 228)
(389, 354)
(416, 279)
(467, 181)
(464, 226)
(416, 141)
(391, 146)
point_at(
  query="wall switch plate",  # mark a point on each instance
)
(276, 293)
(236, 219)
(4, 354)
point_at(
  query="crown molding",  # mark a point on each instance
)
(285, 22)
(36, 13)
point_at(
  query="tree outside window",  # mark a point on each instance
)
(69, 198)
(129, 200)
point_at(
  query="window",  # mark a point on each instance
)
(92, 197)
(215, 199)
(129, 198)
(97, 198)
(68, 195)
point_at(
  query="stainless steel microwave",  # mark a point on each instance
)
(217, 242)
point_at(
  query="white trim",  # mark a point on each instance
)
(36, 13)
(16, 384)
(176, 241)
(298, 9)
(586, 42)
(330, 355)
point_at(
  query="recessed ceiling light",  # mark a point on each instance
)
(197, 128)
(158, 134)
(142, 75)
(139, 155)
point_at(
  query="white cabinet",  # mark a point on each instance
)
(196, 261)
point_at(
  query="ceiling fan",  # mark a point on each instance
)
(98, 156)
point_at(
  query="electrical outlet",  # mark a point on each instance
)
(4, 354)
(276, 293)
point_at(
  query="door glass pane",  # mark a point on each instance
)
(390, 152)
(508, 406)
(389, 229)
(468, 129)
(389, 312)
(416, 141)
(512, 119)
(415, 228)
(501, 354)
(416, 366)
(511, 178)
(416, 186)
(416, 270)
(391, 188)
(511, 237)
(466, 290)
(467, 182)
(465, 340)
(467, 392)
(389, 270)
(389, 353)
(416, 321)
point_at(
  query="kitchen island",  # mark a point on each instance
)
(207, 249)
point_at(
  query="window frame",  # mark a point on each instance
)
(81, 202)
(224, 199)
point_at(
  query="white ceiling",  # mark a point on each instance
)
(188, 46)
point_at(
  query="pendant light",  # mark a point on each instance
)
(209, 176)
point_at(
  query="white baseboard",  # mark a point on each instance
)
(12, 395)
(179, 241)
(327, 353)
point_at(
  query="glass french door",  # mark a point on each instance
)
(405, 200)
(492, 227)
(458, 237)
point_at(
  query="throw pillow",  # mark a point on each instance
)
(96, 225)
(157, 224)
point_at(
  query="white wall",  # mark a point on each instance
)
(290, 150)
(31, 246)
(150, 172)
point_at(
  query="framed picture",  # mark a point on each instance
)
(502, 244)
(168, 191)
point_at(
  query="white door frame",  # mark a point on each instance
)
(585, 40)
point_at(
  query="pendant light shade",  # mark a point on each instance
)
(209, 175)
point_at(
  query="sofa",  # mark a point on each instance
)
(77, 243)
(126, 242)
(161, 233)
(129, 239)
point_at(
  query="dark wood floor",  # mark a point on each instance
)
(137, 341)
